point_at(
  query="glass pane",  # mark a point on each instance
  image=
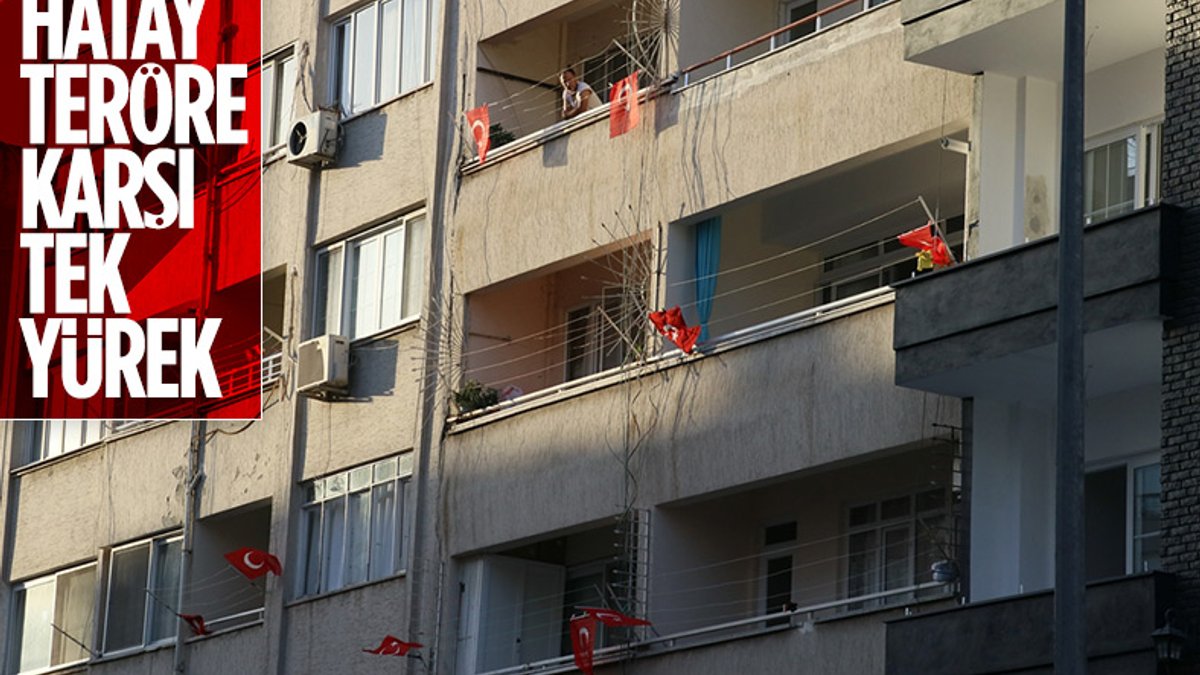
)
(126, 598)
(862, 515)
(335, 485)
(163, 623)
(798, 11)
(412, 60)
(332, 543)
(931, 500)
(358, 537)
(862, 563)
(270, 131)
(1147, 515)
(286, 87)
(341, 68)
(312, 550)
(360, 477)
(364, 285)
(404, 464)
(74, 612)
(389, 49)
(385, 469)
(328, 295)
(383, 530)
(34, 612)
(414, 267)
(393, 268)
(362, 91)
(580, 360)
(779, 583)
(1095, 182)
(894, 508)
(934, 542)
(897, 565)
(53, 432)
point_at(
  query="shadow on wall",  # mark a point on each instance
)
(373, 369)
(362, 139)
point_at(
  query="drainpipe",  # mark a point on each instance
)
(191, 499)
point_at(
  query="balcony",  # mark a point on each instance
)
(787, 560)
(1015, 635)
(1025, 38)
(988, 326)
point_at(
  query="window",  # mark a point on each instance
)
(53, 620)
(1121, 175)
(1146, 516)
(605, 70)
(892, 544)
(858, 270)
(797, 10)
(279, 85)
(778, 542)
(52, 438)
(143, 580)
(380, 51)
(599, 335)
(352, 525)
(372, 282)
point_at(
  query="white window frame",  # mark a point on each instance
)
(1131, 467)
(339, 296)
(12, 659)
(880, 526)
(344, 72)
(597, 329)
(1147, 181)
(88, 433)
(149, 603)
(317, 500)
(276, 128)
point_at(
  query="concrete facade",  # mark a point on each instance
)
(772, 499)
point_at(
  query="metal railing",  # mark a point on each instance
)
(772, 38)
(665, 643)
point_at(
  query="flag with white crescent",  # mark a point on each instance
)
(583, 641)
(479, 121)
(254, 563)
(611, 617)
(393, 646)
(623, 112)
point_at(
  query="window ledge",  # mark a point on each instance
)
(40, 464)
(133, 651)
(273, 154)
(225, 631)
(672, 358)
(403, 327)
(385, 103)
(345, 589)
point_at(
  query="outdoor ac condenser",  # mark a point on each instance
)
(312, 140)
(324, 366)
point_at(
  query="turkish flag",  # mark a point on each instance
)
(623, 112)
(481, 128)
(196, 622)
(611, 617)
(583, 641)
(393, 646)
(671, 325)
(254, 563)
(925, 240)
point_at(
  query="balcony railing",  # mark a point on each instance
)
(772, 40)
(700, 636)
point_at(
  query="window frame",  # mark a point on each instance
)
(319, 323)
(1147, 179)
(12, 660)
(317, 499)
(149, 604)
(1132, 465)
(342, 64)
(880, 525)
(276, 137)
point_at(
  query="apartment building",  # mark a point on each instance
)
(471, 428)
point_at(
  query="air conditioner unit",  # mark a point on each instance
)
(324, 366)
(312, 140)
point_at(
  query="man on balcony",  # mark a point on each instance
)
(577, 95)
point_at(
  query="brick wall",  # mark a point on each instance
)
(1181, 338)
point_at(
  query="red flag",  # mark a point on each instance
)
(611, 617)
(481, 128)
(196, 622)
(393, 646)
(671, 325)
(925, 240)
(254, 563)
(583, 641)
(623, 112)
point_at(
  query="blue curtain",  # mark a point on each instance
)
(708, 262)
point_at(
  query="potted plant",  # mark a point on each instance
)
(945, 570)
(475, 396)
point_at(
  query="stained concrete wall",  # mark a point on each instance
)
(324, 635)
(790, 403)
(703, 146)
